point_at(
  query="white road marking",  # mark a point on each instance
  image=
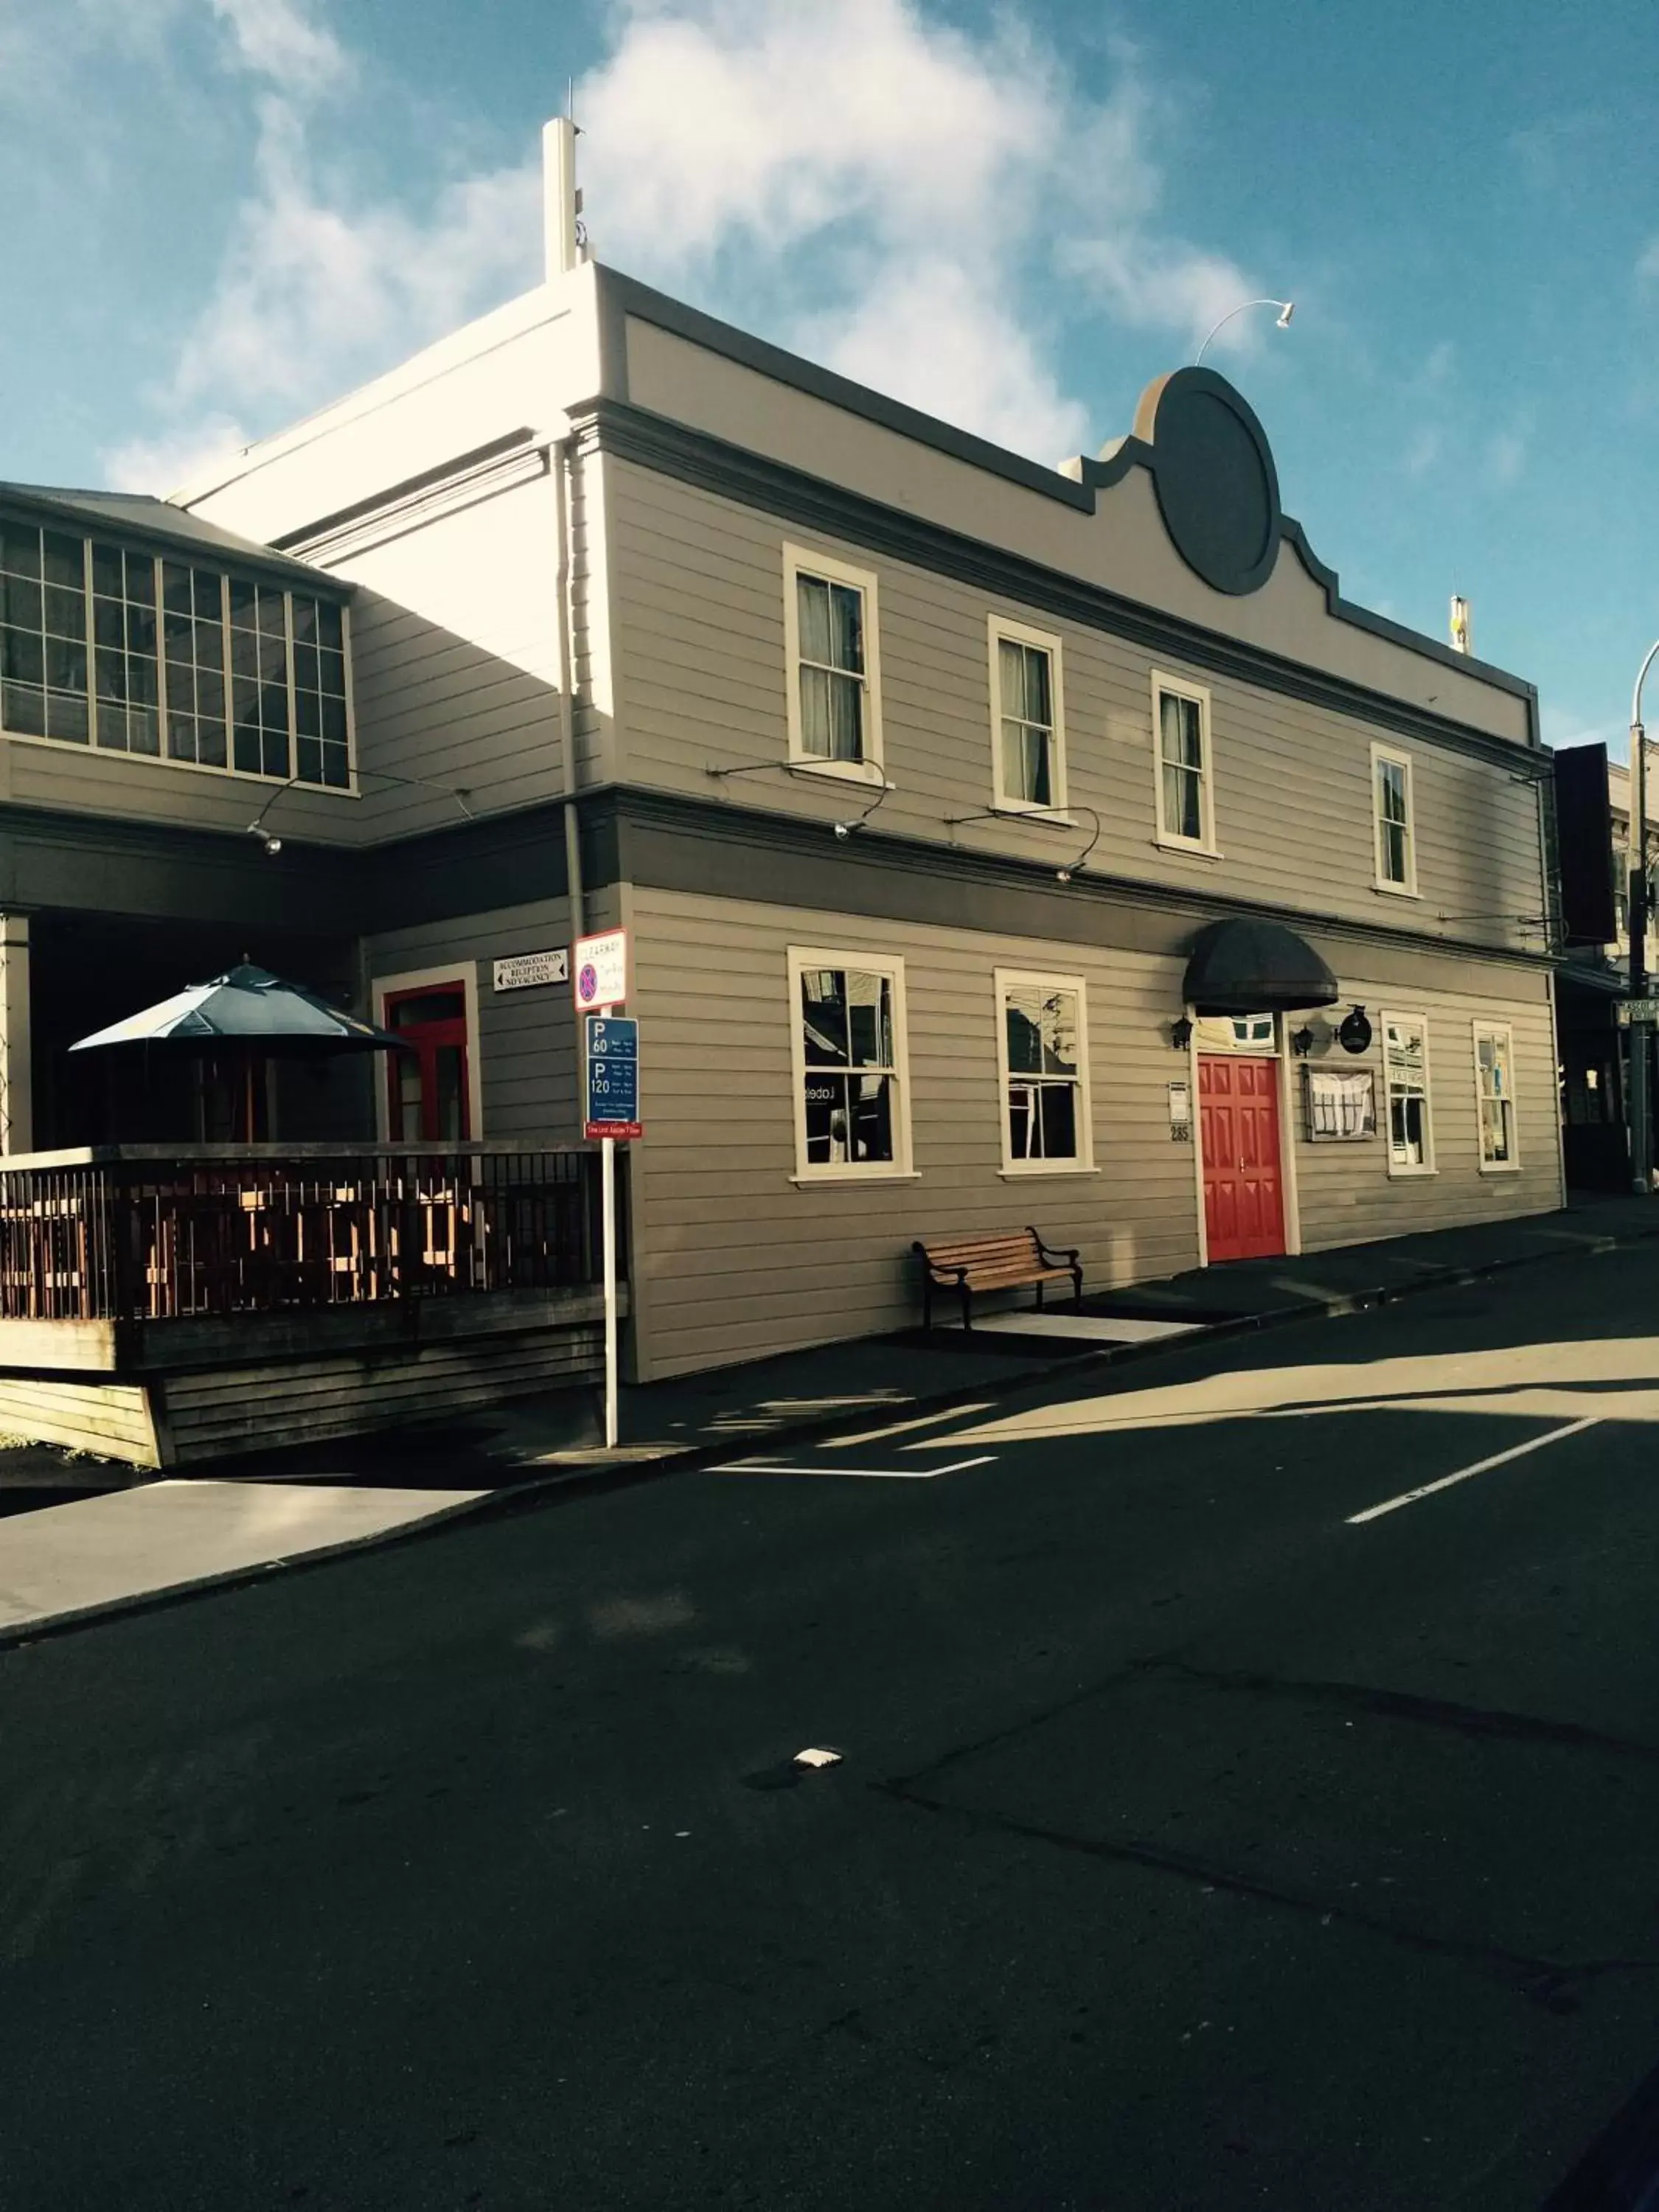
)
(1463, 1474)
(900, 1428)
(873, 1473)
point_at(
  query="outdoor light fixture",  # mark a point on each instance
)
(1281, 321)
(857, 821)
(1355, 1034)
(1302, 1042)
(1180, 1032)
(1038, 821)
(272, 845)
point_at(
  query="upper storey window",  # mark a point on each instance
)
(43, 634)
(132, 651)
(1391, 820)
(1185, 789)
(1027, 726)
(835, 701)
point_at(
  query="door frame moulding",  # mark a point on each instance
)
(382, 987)
(1289, 1199)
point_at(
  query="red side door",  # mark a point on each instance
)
(1238, 1131)
(429, 1085)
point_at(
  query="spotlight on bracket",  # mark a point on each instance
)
(272, 845)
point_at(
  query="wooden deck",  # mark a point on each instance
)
(163, 1307)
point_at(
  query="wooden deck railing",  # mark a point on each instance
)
(143, 1233)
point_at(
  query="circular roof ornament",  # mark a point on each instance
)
(1218, 489)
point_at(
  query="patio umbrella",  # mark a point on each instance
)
(249, 1010)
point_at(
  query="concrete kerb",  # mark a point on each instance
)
(537, 1492)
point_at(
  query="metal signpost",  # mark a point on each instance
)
(610, 1103)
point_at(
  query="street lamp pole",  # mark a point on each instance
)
(1641, 1030)
(1287, 309)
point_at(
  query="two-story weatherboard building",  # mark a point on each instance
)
(999, 844)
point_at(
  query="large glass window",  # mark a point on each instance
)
(1391, 801)
(125, 646)
(1406, 1070)
(1494, 1083)
(1026, 705)
(194, 636)
(848, 1065)
(43, 633)
(321, 752)
(153, 655)
(259, 677)
(1044, 1072)
(1185, 809)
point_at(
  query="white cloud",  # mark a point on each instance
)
(891, 194)
(308, 290)
(278, 39)
(888, 193)
(157, 464)
(926, 333)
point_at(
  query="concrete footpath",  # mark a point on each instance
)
(66, 1562)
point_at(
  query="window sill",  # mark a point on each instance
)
(1020, 809)
(865, 772)
(1044, 1171)
(820, 1176)
(1188, 852)
(1410, 1175)
(1500, 1167)
(1395, 890)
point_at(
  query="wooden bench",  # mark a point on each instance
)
(1002, 1260)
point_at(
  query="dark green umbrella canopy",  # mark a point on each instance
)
(250, 1007)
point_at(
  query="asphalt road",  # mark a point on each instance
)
(1195, 1844)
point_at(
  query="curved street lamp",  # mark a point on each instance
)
(1287, 309)
(1641, 1133)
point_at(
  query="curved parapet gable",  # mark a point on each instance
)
(1214, 472)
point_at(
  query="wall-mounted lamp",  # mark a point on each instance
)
(1180, 1032)
(857, 821)
(1302, 1042)
(1355, 1034)
(1062, 875)
(272, 845)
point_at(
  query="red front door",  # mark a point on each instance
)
(428, 1083)
(1238, 1130)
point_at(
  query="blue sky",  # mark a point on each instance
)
(226, 211)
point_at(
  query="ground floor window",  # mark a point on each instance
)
(1494, 1085)
(1406, 1070)
(1041, 1036)
(851, 1109)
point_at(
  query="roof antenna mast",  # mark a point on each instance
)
(564, 236)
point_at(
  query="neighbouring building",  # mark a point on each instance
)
(1593, 804)
(999, 844)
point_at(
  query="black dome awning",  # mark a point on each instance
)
(1255, 967)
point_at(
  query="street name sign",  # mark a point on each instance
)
(611, 1078)
(526, 970)
(1637, 1010)
(599, 967)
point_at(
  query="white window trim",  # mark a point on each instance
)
(999, 627)
(1084, 1163)
(869, 769)
(1379, 881)
(1397, 1172)
(898, 1169)
(1512, 1165)
(464, 972)
(1204, 846)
